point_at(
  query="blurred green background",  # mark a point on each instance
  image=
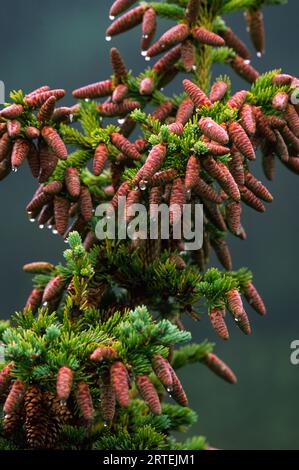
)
(62, 43)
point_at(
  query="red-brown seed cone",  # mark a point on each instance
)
(119, 6)
(236, 166)
(155, 197)
(46, 111)
(280, 101)
(292, 119)
(5, 168)
(173, 36)
(251, 200)
(20, 151)
(290, 138)
(84, 400)
(263, 125)
(127, 21)
(168, 60)
(54, 288)
(192, 172)
(94, 90)
(118, 109)
(248, 119)
(184, 111)
(254, 299)
(198, 97)
(100, 158)
(163, 111)
(163, 177)
(61, 213)
(205, 36)
(282, 79)
(38, 267)
(45, 215)
(188, 55)
(204, 190)
(103, 353)
(257, 188)
(53, 139)
(149, 393)
(213, 130)
(177, 391)
(108, 402)
(176, 128)
(149, 26)
(177, 200)
(219, 368)
(234, 303)
(147, 86)
(218, 323)
(216, 149)
(233, 216)
(38, 201)
(244, 324)
(221, 173)
(14, 397)
(5, 377)
(41, 89)
(13, 128)
(12, 112)
(64, 383)
(38, 99)
(275, 122)
(119, 68)
(86, 205)
(128, 126)
(281, 148)
(33, 161)
(268, 162)
(237, 100)
(214, 215)
(293, 164)
(152, 163)
(34, 300)
(233, 41)
(241, 140)
(72, 181)
(119, 382)
(53, 188)
(120, 93)
(125, 146)
(255, 22)
(5, 146)
(218, 91)
(162, 369)
(133, 197)
(3, 128)
(223, 253)
(245, 70)
(48, 161)
(178, 262)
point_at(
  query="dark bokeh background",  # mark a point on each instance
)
(62, 44)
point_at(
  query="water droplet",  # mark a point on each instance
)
(71, 117)
(120, 121)
(236, 319)
(45, 304)
(108, 38)
(259, 54)
(170, 396)
(111, 17)
(147, 58)
(65, 241)
(41, 226)
(163, 46)
(86, 100)
(144, 53)
(50, 227)
(194, 67)
(32, 220)
(169, 390)
(247, 61)
(7, 416)
(105, 425)
(183, 253)
(188, 193)
(143, 185)
(15, 169)
(62, 402)
(145, 36)
(162, 89)
(54, 231)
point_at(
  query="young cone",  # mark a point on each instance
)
(12, 112)
(53, 289)
(219, 368)
(205, 36)
(64, 383)
(100, 157)
(254, 299)
(72, 181)
(20, 151)
(149, 393)
(184, 111)
(103, 354)
(255, 22)
(162, 369)
(119, 6)
(120, 93)
(218, 323)
(39, 267)
(237, 100)
(15, 397)
(233, 41)
(5, 377)
(61, 212)
(233, 217)
(127, 21)
(241, 140)
(95, 90)
(188, 55)
(198, 97)
(13, 128)
(125, 146)
(248, 119)
(108, 402)
(38, 99)
(173, 36)
(213, 130)
(55, 142)
(84, 401)
(33, 160)
(119, 382)
(218, 91)
(192, 172)
(34, 300)
(86, 206)
(244, 69)
(147, 86)
(251, 200)
(258, 188)
(149, 26)
(118, 65)
(177, 391)
(177, 200)
(46, 111)
(192, 10)
(168, 60)
(234, 303)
